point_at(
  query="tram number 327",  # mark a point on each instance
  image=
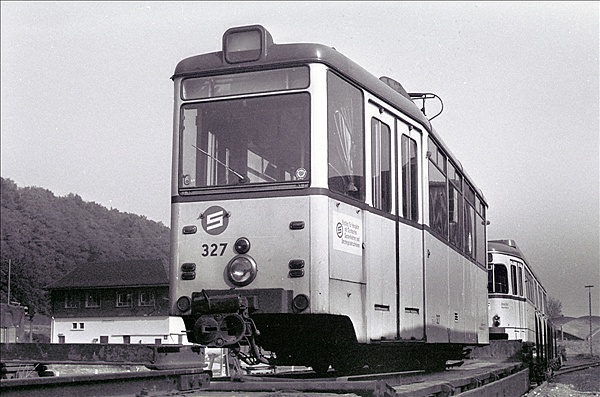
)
(214, 249)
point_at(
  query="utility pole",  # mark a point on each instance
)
(589, 287)
(9, 265)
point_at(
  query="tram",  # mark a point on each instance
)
(518, 303)
(317, 216)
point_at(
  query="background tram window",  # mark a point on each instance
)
(438, 196)
(345, 138)
(381, 165)
(530, 287)
(410, 174)
(513, 279)
(520, 271)
(500, 279)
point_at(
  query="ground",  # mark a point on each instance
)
(574, 384)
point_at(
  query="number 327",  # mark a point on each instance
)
(214, 249)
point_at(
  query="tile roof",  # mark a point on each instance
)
(115, 274)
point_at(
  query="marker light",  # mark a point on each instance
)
(300, 302)
(246, 44)
(496, 320)
(183, 303)
(241, 270)
(242, 245)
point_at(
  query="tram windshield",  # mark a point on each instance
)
(497, 279)
(249, 141)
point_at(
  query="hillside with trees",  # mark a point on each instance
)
(44, 237)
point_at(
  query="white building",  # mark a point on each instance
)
(115, 302)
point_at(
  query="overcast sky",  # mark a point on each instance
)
(87, 103)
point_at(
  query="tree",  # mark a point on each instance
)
(554, 308)
(44, 237)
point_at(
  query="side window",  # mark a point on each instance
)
(520, 271)
(513, 279)
(345, 138)
(381, 165)
(410, 181)
(455, 207)
(438, 201)
(530, 287)
(480, 226)
(469, 245)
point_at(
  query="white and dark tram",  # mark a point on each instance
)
(317, 217)
(518, 301)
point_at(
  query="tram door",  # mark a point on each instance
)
(411, 309)
(380, 226)
(522, 329)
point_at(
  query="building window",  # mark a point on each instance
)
(124, 299)
(78, 326)
(103, 338)
(126, 339)
(147, 299)
(92, 299)
(71, 300)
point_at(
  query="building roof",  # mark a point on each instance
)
(136, 273)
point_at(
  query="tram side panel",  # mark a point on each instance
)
(456, 302)
(483, 334)
(411, 291)
(380, 270)
(347, 280)
(457, 294)
(437, 324)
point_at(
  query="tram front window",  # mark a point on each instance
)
(497, 279)
(250, 141)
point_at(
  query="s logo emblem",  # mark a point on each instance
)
(215, 220)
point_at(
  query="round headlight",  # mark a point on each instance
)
(241, 270)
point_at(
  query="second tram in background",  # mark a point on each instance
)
(317, 215)
(517, 302)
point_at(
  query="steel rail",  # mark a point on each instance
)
(106, 385)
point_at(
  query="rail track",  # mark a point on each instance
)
(573, 368)
(182, 371)
(547, 385)
(475, 377)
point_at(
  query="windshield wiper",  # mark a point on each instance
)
(241, 177)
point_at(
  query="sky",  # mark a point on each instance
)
(87, 103)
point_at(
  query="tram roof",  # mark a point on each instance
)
(279, 55)
(509, 247)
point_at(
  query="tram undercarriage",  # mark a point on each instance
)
(312, 340)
